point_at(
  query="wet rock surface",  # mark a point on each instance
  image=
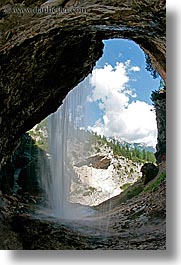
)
(137, 224)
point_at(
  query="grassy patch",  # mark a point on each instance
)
(134, 192)
(130, 192)
(154, 186)
(125, 186)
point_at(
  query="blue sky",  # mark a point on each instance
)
(115, 97)
(122, 50)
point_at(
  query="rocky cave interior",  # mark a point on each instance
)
(42, 60)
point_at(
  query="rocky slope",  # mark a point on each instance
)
(138, 223)
(97, 173)
(38, 54)
(101, 177)
(135, 219)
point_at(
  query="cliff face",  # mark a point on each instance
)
(94, 184)
(21, 173)
(160, 107)
(44, 55)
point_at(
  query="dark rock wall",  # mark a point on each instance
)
(160, 107)
(37, 89)
(21, 173)
(43, 56)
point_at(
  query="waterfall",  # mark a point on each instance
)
(58, 141)
(66, 140)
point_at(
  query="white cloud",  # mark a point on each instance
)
(133, 122)
(108, 77)
(135, 69)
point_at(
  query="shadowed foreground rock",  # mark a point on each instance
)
(137, 224)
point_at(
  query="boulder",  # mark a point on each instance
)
(149, 172)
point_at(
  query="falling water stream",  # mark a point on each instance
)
(67, 146)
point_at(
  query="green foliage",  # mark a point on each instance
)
(157, 95)
(92, 189)
(149, 67)
(129, 192)
(134, 192)
(97, 149)
(131, 170)
(135, 154)
(42, 124)
(125, 186)
(162, 85)
(42, 144)
(154, 186)
(37, 134)
(89, 191)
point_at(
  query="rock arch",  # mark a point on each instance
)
(43, 56)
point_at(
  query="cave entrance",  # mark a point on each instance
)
(104, 131)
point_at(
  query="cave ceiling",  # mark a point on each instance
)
(45, 55)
